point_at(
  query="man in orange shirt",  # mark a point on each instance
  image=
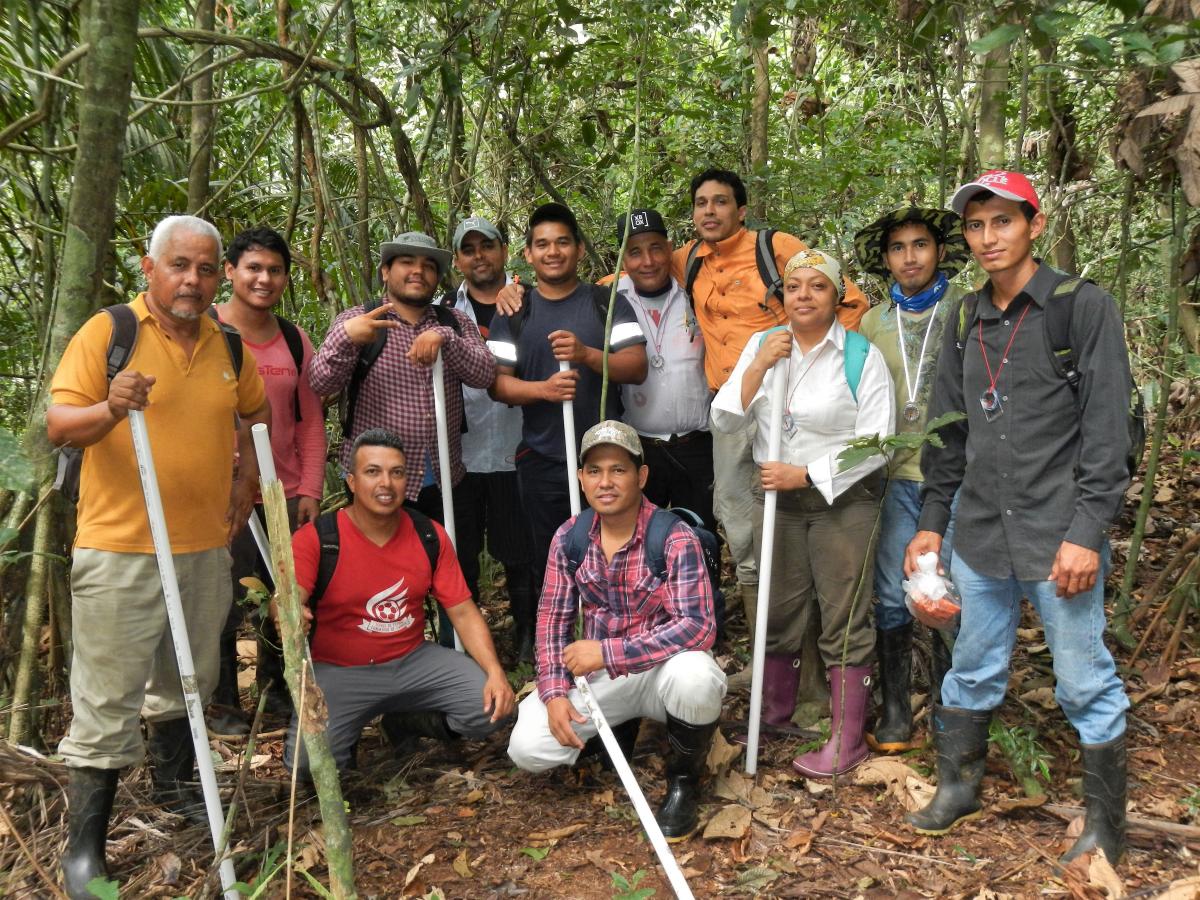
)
(731, 303)
(183, 374)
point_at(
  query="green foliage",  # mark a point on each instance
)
(104, 889)
(627, 889)
(861, 449)
(537, 853)
(1029, 759)
(16, 470)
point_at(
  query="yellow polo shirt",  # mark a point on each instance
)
(728, 293)
(191, 423)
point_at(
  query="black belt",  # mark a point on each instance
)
(675, 438)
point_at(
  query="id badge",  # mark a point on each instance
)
(992, 407)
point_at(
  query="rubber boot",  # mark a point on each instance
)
(894, 727)
(961, 736)
(90, 794)
(268, 673)
(849, 696)
(173, 761)
(405, 729)
(781, 680)
(1104, 776)
(523, 603)
(225, 716)
(941, 659)
(679, 813)
(626, 734)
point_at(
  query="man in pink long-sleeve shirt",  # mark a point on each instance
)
(257, 265)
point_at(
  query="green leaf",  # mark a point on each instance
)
(1097, 47)
(16, 471)
(852, 456)
(943, 420)
(589, 132)
(538, 853)
(104, 889)
(995, 39)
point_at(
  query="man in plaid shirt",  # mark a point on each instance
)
(645, 638)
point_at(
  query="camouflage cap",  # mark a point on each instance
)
(945, 225)
(610, 431)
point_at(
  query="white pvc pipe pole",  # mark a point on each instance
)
(779, 379)
(260, 537)
(657, 840)
(443, 438)
(568, 409)
(179, 637)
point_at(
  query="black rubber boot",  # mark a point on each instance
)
(940, 661)
(1104, 777)
(225, 716)
(405, 729)
(173, 762)
(894, 727)
(523, 603)
(90, 795)
(268, 673)
(962, 740)
(626, 734)
(679, 813)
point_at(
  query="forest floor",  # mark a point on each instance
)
(459, 821)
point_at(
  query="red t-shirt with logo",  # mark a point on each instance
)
(374, 608)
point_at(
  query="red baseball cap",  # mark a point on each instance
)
(1009, 185)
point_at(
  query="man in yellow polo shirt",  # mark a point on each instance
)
(182, 373)
(732, 303)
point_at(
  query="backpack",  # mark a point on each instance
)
(327, 534)
(661, 522)
(348, 399)
(295, 345)
(120, 348)
(1057, 324)
(764, 258)
(854, 357)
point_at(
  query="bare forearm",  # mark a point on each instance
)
(626, 366)
(516, 392)
(80, 426)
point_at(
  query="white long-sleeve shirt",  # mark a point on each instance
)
(823, 412)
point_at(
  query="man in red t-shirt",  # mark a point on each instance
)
(370, 656)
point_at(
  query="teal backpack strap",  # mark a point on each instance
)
(853, 359)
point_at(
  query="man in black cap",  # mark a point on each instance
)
(562, 319)
(916, 251)
(670, 408)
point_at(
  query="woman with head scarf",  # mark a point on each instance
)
(836, 388)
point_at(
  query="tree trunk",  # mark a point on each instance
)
(203, 117)
(759, 109)
(993, 104)
(366, 258)
(31, 630)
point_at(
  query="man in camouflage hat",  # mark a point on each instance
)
(916, 251)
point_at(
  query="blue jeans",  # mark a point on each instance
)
(897, 525)
(1088, 689)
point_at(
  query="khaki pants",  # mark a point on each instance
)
(734, 478)
(123, 664)
(822, 553)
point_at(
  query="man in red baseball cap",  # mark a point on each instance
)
(1037, 358)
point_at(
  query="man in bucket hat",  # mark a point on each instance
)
(381, 354)
(916, 251)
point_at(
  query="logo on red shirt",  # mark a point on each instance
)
(386, 611)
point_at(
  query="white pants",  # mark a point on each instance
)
(689, 686)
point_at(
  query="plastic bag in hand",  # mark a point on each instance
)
(931, 597)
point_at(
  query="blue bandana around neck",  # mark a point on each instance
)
(922, 300)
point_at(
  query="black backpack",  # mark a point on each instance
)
(120, 348)
(327, 534)
(764, 258)
(348, 399)
(1057, 323)
(661, 522)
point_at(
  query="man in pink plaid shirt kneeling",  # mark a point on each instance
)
(646, 638)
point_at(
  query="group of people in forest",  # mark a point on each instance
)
(702, 340)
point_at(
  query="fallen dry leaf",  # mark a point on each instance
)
(1008, 804)
(909, 788)
(461, 866)
(557, 834)
(733, 786)
(1042, 696)
(1101, 875)
(604, 798)
(721, 753)
(1182, 889)
(1164, 808)
(767, 817)
(732, 821)
(412, 873)
(473, 796)
(170, 865)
